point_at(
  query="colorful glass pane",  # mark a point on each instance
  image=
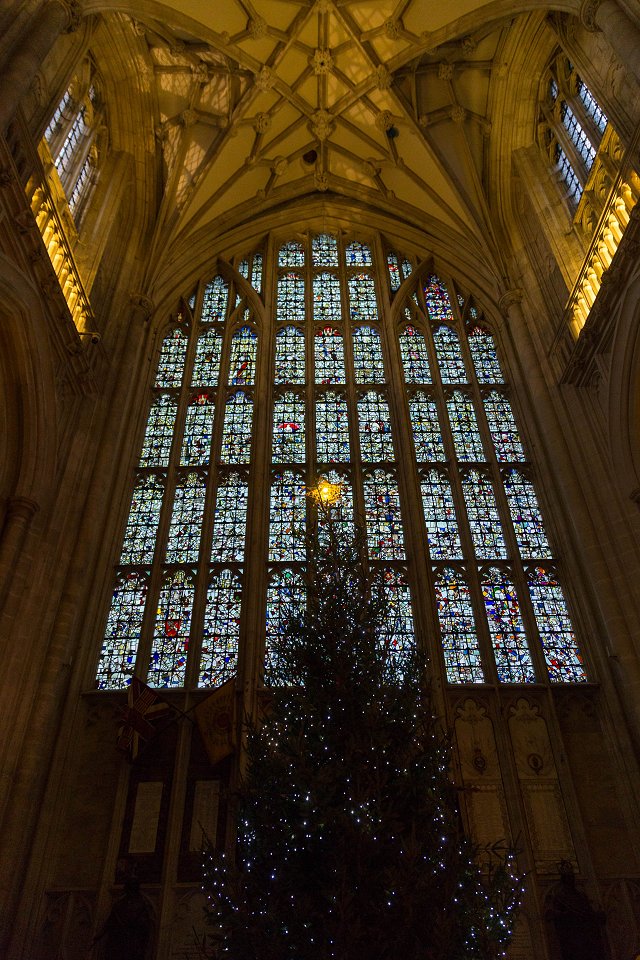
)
(423, 412)
(526, 517)
(375, 428)
(362, 299)
(230, 520)
(332, 428)
(329, 356)
(171, 633)
(464, 428)
(438, 303)
(142, 525)
(287, 517)
(440, 517)
(561, 652)
(510, 648)
(291, 254)
(503, 429)
(221, 630)
(285, 602)
(324, 251)
(484, 520)
(186, 519)
(415, 357)
(457, 628)
(198, 427)
(214, 305)
(450, 362)
(407, 268)
(288, 429)
(326, 298)
(358, 255)
(206, 366)
(368, 363)
(156, 445)
(256, 272)
(397, 634)
(122, 633)
(340, 512)
(236, 431)
(290, 356)
(485, 358)
(290, 302)
(395, 277)
(383, 517)
(171, 362)
(242, 365)
(243, 269)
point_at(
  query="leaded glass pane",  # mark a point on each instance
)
(329, 356)
(407, 268)
(290, 303)
(214, 305)
(324, 251)
(415, 358)
(221, 631)
(368, 363)
(171, 633)
(358, 255)
(256, 272)
(427, 438)
(198, 427)
(326, 298)
(395, 277)
(561, 652)
(290, 356)
(383, 517)
(122, 633)
(437, 298)
(230, 520)
(156, 445)
(485, 358)
(332, 428)
(450, 362)
(579, 138)
(242, 365)
(236, 431)
(171, 362)
(206, 366)
(186, 520)
(593, 107)
(362, 299)
(288, 429)
(287, 517)
(397, 634)
(291, 254)
(526, 517)
(484, 520)
(457, 627)
(464, 428)
(142, 525)
(285, 602)
(510, 648)
(440, 517)
(340, 511)
(503, 429)
(243, 269)
(375, 428)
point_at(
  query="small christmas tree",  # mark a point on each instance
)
(350, 844)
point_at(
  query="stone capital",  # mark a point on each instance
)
(588, 11)
(74, 12)
(21, 508)
(508, 299)
(143, 307)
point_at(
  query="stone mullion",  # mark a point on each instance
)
(350, 387)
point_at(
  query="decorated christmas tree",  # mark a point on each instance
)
(349, 842)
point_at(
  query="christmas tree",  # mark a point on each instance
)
(350, 844)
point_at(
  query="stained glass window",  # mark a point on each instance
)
(332, 428)
(592, 106)
(230, 519)
(440, 517)
(236, 432)
(242, 366)
(171, 633)
(525, 514)
(457, 628)
(142, 525)
(186, 519)
(358, 255)
(290, 356)
(324, 250)
(578, 136)
(288, 429)
(206, 365)
(397, 633)
(156, 445)
(427, 438)
(171, 362)
(256, 272)
(291, 255)
(482, 512)
(464, 428)
(122, 633)
(375, 427)
(216, 296)
(326, 298)
(341, 512)
(221, 630)
(561, 652)
(513, 660)
(395, 277)
(502, 426)
(243, 269)
(290, 305)
(198, 426)
(329, 356)
(362, 299)
(485, 358)
(287, 517)
(407, 268)
(452, 368)
(438, 303)
(382, 514)
(415, 358)
(368, 363)
(285, 600)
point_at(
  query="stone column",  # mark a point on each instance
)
(622, 34)
(20, 510)
(54, 18)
